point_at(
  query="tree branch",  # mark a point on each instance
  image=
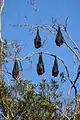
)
(72, 50)
(34, 53)
(4, 116)
(72, 41)
(65, 108)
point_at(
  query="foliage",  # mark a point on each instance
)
(21, 101)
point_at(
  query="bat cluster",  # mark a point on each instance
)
(40, 65)
(41, 69)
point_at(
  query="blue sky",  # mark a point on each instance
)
(14, 13)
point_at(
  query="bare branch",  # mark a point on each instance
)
(65, 108)
(4, 116)
(72, 41)
(34, 53)
(72, 50)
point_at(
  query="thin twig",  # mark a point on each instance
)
(72, 41)
(64, 114)
(4, 116)
(72, 50)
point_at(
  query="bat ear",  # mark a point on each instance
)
(59, 37)
(55, 70)
(15, 71)
(37, 40)
(40, 65)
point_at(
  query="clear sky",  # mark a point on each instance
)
(14, 13)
